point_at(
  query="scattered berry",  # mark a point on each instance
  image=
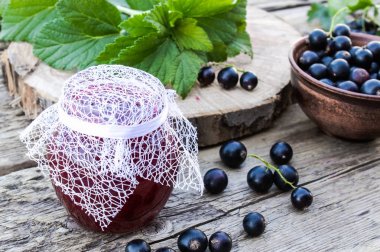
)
(228, 77)
(260, 179)
(192, 240)
(206, 76)
(215, 181)
(254, 224)
(371, 87)
(137, 245)
(289, 173)
(233, 153)
(301, 198)
(248, 81)
(220, 242)
(281, 153)
(317, 39)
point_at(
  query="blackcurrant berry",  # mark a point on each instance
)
(289, 173)
(371, 87)
(349, 86)
(328, 82)
(301, 198)
(254, 224)
(354, 49)
(281, 152)
(206, 76)
(215, 181)
(137, 245)
(363, 58)
(374, 67)
(374, 76)
(339, 69)
(341, 30)
(318, 71)
(248, 81)
(233, 153)
(317, 39)
(340, 43)
(192, 240)
(321, 53)
(220, 242)
(326, 60)
(343, 55)
(228, 77)
(307, 59)
(359, 76)
(260, 179)
(165, 249)
(374, 47)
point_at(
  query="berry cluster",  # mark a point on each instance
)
(260, 179)
(228, 78)
(191, 240)
(336, 62)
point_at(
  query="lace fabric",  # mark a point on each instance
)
(112, 125)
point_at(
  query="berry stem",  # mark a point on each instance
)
(270, 166)
(333, 20)
(128, 11)
(227, 65)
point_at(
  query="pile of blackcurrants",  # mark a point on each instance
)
(228, 78)
(336, 62)
(260, 179)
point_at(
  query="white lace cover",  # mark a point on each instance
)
(112, 125)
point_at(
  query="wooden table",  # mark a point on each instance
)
(343, 176)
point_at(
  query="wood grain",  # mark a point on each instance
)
(219, 115)
(273, 5)
(338, 173)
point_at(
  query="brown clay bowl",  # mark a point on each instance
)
(337, 112)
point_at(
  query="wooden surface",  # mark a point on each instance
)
(343, 176)
(218, 114)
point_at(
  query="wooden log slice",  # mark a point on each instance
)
(218, 114)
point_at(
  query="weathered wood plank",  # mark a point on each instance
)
(273, 5)
(33, 219)
(218, 114)
(12, 121)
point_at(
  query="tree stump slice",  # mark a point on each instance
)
(219, 115)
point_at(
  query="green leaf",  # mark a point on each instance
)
(187, 67)
(142, 4)
(190, 36)
(62, 46)
(138, 26)
(201, 8)
(321, 13)
(160, 62)
(111, 52)
(142, 48)
(3, 6)
(90, 16)
(23, 19)
(242, 43)
(355, 5)
(163, 18)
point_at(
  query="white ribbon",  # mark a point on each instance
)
(110, 130)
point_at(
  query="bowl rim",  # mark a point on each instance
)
(321, 85)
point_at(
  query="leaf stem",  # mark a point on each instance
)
(228, 65)
(128, 11)
(268, 165)
(333, 19)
